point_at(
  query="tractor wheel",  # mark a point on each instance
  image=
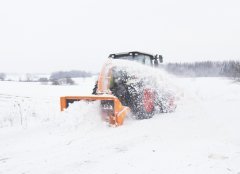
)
(120, 91)
(134, 95)
(148, 100)
(142, 104)
(166, 104)
(170, 105)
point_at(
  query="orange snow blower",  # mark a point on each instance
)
(112, 109)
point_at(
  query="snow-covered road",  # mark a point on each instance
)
(202, 136)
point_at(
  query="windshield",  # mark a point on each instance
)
(138, 58)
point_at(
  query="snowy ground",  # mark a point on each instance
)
(202, 136)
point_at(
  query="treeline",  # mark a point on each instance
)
(56, 78)
(65, 77)
(205, 69)
(69, 74)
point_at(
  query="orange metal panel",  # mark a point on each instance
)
(104, 78)
(63, 103)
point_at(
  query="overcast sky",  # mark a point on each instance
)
(50, 35)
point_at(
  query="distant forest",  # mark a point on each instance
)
(65, 77)
(69, 74)
(229, 69)
(205, 69)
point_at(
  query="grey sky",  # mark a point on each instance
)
(49, 35)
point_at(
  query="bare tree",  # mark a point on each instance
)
(43, 80)
(29, 77)
(2, 76)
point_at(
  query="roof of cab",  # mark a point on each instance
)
(117, 55)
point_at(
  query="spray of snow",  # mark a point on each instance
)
(140, 77)
(155, 77)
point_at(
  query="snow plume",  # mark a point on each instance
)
(151, 75)
(140, 76)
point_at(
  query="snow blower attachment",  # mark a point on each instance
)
(111, 108)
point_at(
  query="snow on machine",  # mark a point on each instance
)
(120, 89)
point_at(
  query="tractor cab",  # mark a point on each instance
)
(144, 58)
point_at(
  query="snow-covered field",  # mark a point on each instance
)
(202, 136)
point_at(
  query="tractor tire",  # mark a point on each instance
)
(142, 104)
(133, 94)
(120, 91)
(166, 103)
